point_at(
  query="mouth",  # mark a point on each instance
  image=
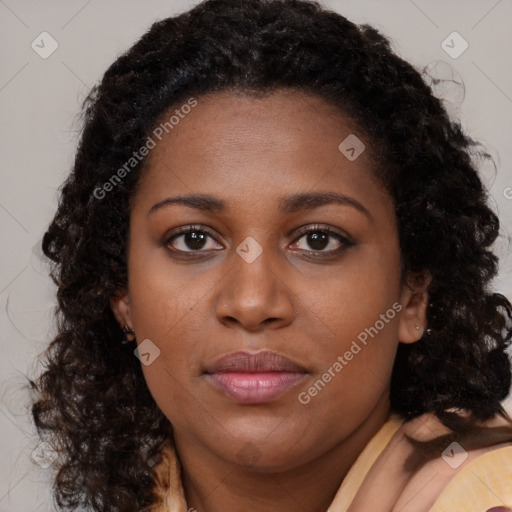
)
(254, 378)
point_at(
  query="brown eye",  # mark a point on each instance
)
(322, 239)
(318, 241)
(191, 239)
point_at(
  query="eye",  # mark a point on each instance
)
(191, 239)
(317, 239)
(322, 239)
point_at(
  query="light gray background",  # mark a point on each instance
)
(40, 102)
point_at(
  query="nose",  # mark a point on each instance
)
(255, 296)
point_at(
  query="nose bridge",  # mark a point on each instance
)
(254, 291)
(253, 274)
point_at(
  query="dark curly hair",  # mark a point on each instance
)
(93, 404)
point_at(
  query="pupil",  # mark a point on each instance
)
(195, 240)
(318, 240)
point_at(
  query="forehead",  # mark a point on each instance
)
(241, 146)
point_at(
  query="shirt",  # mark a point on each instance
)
(412, 466)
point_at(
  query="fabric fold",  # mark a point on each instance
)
(418, 465)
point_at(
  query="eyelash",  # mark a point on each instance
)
(345, 241)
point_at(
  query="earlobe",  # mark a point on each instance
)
(413, 318)
(120, 305)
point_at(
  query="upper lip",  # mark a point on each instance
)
(263, 361)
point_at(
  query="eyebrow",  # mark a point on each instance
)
(288, 204)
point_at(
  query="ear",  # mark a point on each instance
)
(120, 304)
(414, 300)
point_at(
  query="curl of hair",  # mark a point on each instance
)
(94, 406)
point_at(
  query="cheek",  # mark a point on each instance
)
(360, 311)
(166, 299)
(355, 375)
(164, 308)
(362, 292)
(176, 399)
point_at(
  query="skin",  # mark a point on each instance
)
(250, 153)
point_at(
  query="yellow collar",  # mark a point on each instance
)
(381, 466)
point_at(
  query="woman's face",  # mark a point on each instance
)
(259, 273)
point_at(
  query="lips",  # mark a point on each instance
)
(265, 361)
(252, 378)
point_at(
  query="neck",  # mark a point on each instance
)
(212, 484)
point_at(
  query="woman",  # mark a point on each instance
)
(280, 216)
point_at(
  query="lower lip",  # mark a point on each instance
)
(254, 388)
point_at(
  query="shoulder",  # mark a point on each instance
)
(465, 472)
(479, 485)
